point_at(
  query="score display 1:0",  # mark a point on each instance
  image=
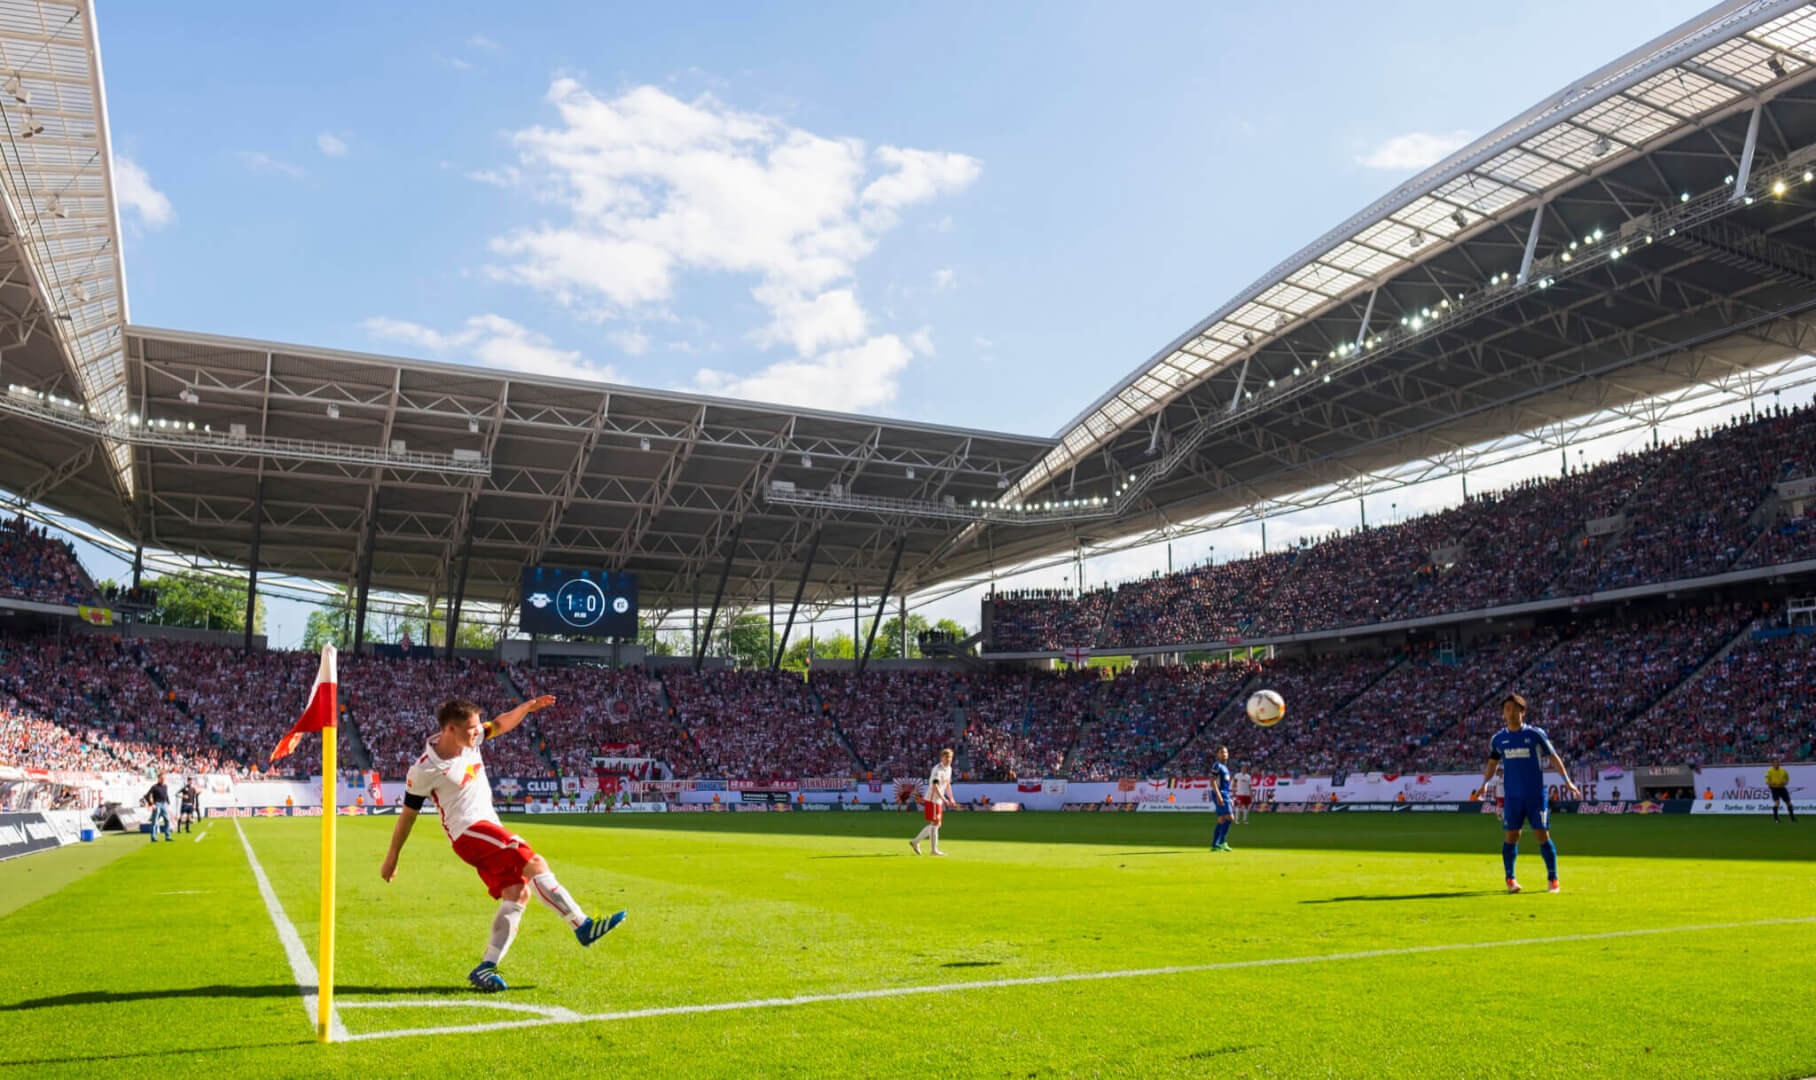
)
(556, 600)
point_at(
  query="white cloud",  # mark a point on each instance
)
(480, 41)
(493, 341)
(921, 341)
(653, 188)
(331, 144)
(260, 162)
(630, 342)
(133, 188)
(943, 279)
(1414, 150)
(508, 177)
(844, 380)
(454, 62)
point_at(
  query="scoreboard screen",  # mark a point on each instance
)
(592, 603)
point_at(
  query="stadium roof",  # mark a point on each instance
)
(1632, 235)
(1634, 243)
(535, 468)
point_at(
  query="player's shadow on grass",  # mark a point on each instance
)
(111, 997)
(1406, 896)
(187, 1051)
(972, 963)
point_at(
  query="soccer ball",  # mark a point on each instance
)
(1265, 707)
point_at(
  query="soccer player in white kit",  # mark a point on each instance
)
(1243, 787)
(934, 801)
(451, 772)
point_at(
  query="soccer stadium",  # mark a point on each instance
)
(1231, 818)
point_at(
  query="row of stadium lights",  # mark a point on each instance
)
(1058, 504)
(130, 419)
(1417, 320)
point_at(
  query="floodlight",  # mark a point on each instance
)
(334, 412)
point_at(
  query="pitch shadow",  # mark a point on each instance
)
(972, 963)
(187, 1051)
(110, 997)
(1405, 896)
(870, 855)
(1127, 854)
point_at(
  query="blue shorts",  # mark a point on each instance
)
(1517, 811)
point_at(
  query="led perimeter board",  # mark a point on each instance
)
(593, 603)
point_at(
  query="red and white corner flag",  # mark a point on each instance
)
(321, 711)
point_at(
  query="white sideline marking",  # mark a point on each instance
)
(1044, 980)
(555, 1012)
(201, 835)
(301, 967)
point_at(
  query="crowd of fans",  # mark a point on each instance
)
(86, 702)
(1021, 724)
(895, 721)
(1034, 619)
(37, 566)
(1675, 511)
(1149, 713)
(1213, 602)
(1758, 703)
(392, 704)
(755, 724)
(595, 707)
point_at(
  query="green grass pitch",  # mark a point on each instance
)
(162, 960)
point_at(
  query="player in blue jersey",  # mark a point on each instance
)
(1521, 753)
(1220, 798)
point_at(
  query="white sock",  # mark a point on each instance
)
(936, 836)
(550, 892)
(926, 831)
(504, 930)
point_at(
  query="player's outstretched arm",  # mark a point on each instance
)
(406, 819)
(506, 721)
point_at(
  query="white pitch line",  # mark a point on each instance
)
(1046, 980)
(199, 837)
(552, 1011)
(301, 967)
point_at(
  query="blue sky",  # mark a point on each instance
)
(973, 214)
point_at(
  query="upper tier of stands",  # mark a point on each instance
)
(39, 567)
(1678, 511)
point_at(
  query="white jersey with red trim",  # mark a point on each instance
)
(939, 783)
(1244, 784)
(458, 785)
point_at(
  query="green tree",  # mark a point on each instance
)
(956, 629)
(202, 603)
(654, 643)
(747, 640)
(889, 638)
(322, 627)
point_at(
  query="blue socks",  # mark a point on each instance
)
(1549, 851)
(1508, 851)
(1223, 831)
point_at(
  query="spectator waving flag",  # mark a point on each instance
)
(320, 712)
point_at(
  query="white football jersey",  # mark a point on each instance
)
(458, 785)
(1243, 784)
(939, 783)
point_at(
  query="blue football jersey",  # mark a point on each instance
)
(1220, 774)
(1522, 756)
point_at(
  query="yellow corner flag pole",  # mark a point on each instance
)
(330, 788)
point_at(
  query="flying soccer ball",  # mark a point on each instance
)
(1265, 707)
